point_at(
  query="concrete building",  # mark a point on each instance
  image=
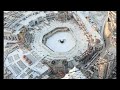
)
(59, 44)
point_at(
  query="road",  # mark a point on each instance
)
(106, 39)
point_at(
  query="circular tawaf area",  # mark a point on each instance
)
(59, 40)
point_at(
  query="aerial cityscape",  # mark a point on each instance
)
(59, 45)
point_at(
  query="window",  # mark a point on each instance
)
(35, 22)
